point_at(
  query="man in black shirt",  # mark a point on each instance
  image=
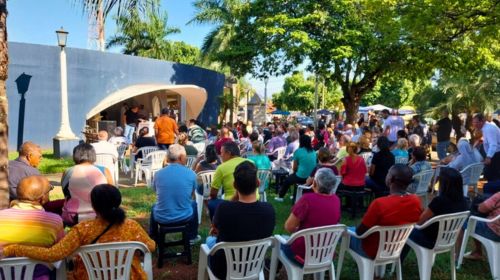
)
(443, 127)
(131, 118)
(242, 220)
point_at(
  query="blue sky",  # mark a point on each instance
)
(35, 21)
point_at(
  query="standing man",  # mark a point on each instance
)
(25, 165)
(491, 143)
(391, 126)
(131, 118)
(165, 130)
(443, 129)
(174, 186)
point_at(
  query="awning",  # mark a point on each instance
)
(195, 97)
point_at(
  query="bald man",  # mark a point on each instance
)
(103, 146)
(25, 222)
(25, 165)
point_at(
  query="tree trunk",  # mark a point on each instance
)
(351, 102)
(4, 62)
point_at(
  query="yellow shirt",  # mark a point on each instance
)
(224, 177)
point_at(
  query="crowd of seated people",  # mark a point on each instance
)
(234, 209)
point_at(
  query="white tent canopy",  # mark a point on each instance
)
(195, 97)
(377, 107)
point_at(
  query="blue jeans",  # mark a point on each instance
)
(192, 223)
(485, 231)
(442, 148)
(163, 147)
(290, 255)
(356, 244)
(212, 206)
(129, 133)
(377, 189)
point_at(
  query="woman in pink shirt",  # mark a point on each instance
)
(353, 169)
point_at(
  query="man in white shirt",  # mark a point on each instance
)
(491, 144)
(104, 147)
(392, 124)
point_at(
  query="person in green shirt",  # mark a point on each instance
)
(304, 161)
(223, 177)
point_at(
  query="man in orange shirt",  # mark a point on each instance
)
(165, 130)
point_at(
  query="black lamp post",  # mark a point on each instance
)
(23, 83)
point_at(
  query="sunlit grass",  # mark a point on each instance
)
(49, 163)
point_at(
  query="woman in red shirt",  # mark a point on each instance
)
(353, 169)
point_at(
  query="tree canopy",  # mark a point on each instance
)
(357, 44)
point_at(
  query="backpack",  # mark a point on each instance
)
(197, 134)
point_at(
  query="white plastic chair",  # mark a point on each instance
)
(423, 180)
(121, 158)
(401, 160)
(301, 188)
(23, 268)
(320, 244)
(472, 173)
(110, 162)
(190, 161)
(245, 260)
(145, 151)
(492, 247)
(367, 157)
(264, 177)
(206, 179)
(152, 163)
(109, 261)
(391, 242)
(449, 229)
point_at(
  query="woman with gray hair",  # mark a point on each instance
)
(316, 209)
(118, 139)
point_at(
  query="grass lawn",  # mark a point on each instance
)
(137, 202)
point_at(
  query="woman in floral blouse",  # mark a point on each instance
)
(110, 225)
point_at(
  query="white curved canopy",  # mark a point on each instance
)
(195, 97)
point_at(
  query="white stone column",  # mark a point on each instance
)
(65, 129)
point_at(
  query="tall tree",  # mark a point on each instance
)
(358, 43)
(298, 94)
(99, 10)
(144, 37)
(4, 127)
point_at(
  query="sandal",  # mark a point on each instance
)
(473, 257)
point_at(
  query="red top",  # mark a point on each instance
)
(353, 171)
(392, 210)
(314, 210)
(218, 144)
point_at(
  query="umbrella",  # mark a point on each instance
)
(377, 107)
(324, 112)
(406, 110)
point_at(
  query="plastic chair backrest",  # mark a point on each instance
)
(109, 261)
(367, 157)
(190, 161)
(156, 158)
(264, 176)
(206, 179)
(245, 260)
(281, 153)
(401, 160)
(320, 243)
(424, 179)
(474, 172)
(121, 150)
(18, 268)
(391, 240)
(146, 150)
(449, 228)
(106, 160)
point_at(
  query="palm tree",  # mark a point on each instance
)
(224, 14)
(100, 9)
(4, 61)
(144, 37)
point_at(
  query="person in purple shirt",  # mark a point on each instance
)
(276, 142)
(316, 209)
